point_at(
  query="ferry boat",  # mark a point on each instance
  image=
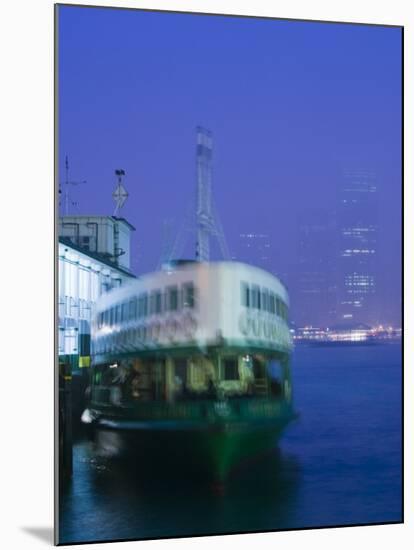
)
(192, 363)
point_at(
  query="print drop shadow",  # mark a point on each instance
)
(44, 534)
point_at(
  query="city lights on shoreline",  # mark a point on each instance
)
(359, 333)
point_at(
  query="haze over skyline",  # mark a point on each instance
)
(291, 105)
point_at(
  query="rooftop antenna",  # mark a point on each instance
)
(120, 194)
(67, 184)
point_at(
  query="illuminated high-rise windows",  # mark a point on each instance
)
(357, 232)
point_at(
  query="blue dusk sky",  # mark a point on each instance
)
(291, 105)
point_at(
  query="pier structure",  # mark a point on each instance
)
(93, 258)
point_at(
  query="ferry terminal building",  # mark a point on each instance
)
(94, 257)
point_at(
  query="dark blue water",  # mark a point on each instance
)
(339, 464)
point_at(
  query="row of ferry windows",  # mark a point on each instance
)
(149, 303)
(252, 296)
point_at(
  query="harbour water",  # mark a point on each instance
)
(340, 463)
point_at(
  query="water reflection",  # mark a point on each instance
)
(125, 499)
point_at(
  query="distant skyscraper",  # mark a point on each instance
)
(316, 297)
(357, 224)
(255, 249)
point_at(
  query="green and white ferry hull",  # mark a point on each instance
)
(209, 440)
(190, 380)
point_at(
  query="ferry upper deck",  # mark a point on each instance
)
(193, 305)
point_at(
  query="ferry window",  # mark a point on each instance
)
(155, 302)
(272, 304)
(245, 295)
(143, 305)
(231, 369)
(172, 298)
(188, 295)
(284, 312)
(265, 300)
(118, 313)
(158, 302)
(107, 318)
(278, 307)
(255, 297)
(133, 309)
(152, 303)
(125, 312)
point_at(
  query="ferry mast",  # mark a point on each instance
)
(207, 221)
(204, 217)
(201, 218)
